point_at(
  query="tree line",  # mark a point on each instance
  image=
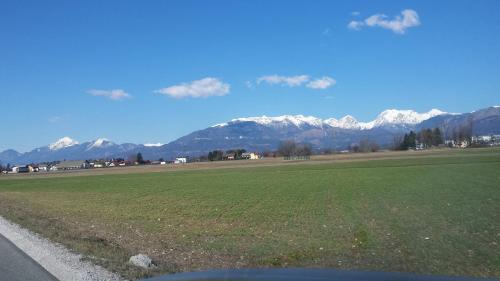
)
(291, 148)
(425, 138)
(364, 145)
(218, 155)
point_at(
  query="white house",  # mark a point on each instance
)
(483, 139)
(250, 155)
(180, 160)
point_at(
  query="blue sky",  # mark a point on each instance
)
(60, 61)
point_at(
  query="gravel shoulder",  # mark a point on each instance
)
(56, 259)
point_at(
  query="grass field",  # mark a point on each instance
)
(436, 214)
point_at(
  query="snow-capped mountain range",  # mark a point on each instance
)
(265, 133)
(388, 117)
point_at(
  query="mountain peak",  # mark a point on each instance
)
(349, 122)
(401, 117)
(100, 142)
(63, 143)
(346, 122)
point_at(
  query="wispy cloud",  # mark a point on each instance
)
(290, 81)
(298, 80)
(116, 94)
(55, 119)
(321, 83)
(399, 24)
(202, 88)
(355, 25)
(326, 32)
(355, 13)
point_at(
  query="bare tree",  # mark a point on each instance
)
(396, 142)
(304, 150)
(287, 148)
(290, 148)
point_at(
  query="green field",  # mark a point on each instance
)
(434, 215)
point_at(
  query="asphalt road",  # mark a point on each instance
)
(16, 265)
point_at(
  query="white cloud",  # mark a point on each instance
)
(202, 88)
(408, 18)
(290, 81)
(298, 80)
(321, 83)
(116, 94)
(355, 25)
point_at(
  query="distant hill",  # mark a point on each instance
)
(265, 133)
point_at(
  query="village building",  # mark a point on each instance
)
(43, 168)
(23, 169)
(250, 155)
(180, 160)
(32, 168)
(71, 165)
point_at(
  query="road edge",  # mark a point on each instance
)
(54, 257)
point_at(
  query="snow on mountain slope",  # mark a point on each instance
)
(296, 120)
(63, 143)
(386, 118)
(98, 143)
(401, 117)
(153, 144)
(346, 122)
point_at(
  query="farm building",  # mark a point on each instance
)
(20, 169)
(250, 155)
(71, 165)
(180, 160)
(23, 169)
